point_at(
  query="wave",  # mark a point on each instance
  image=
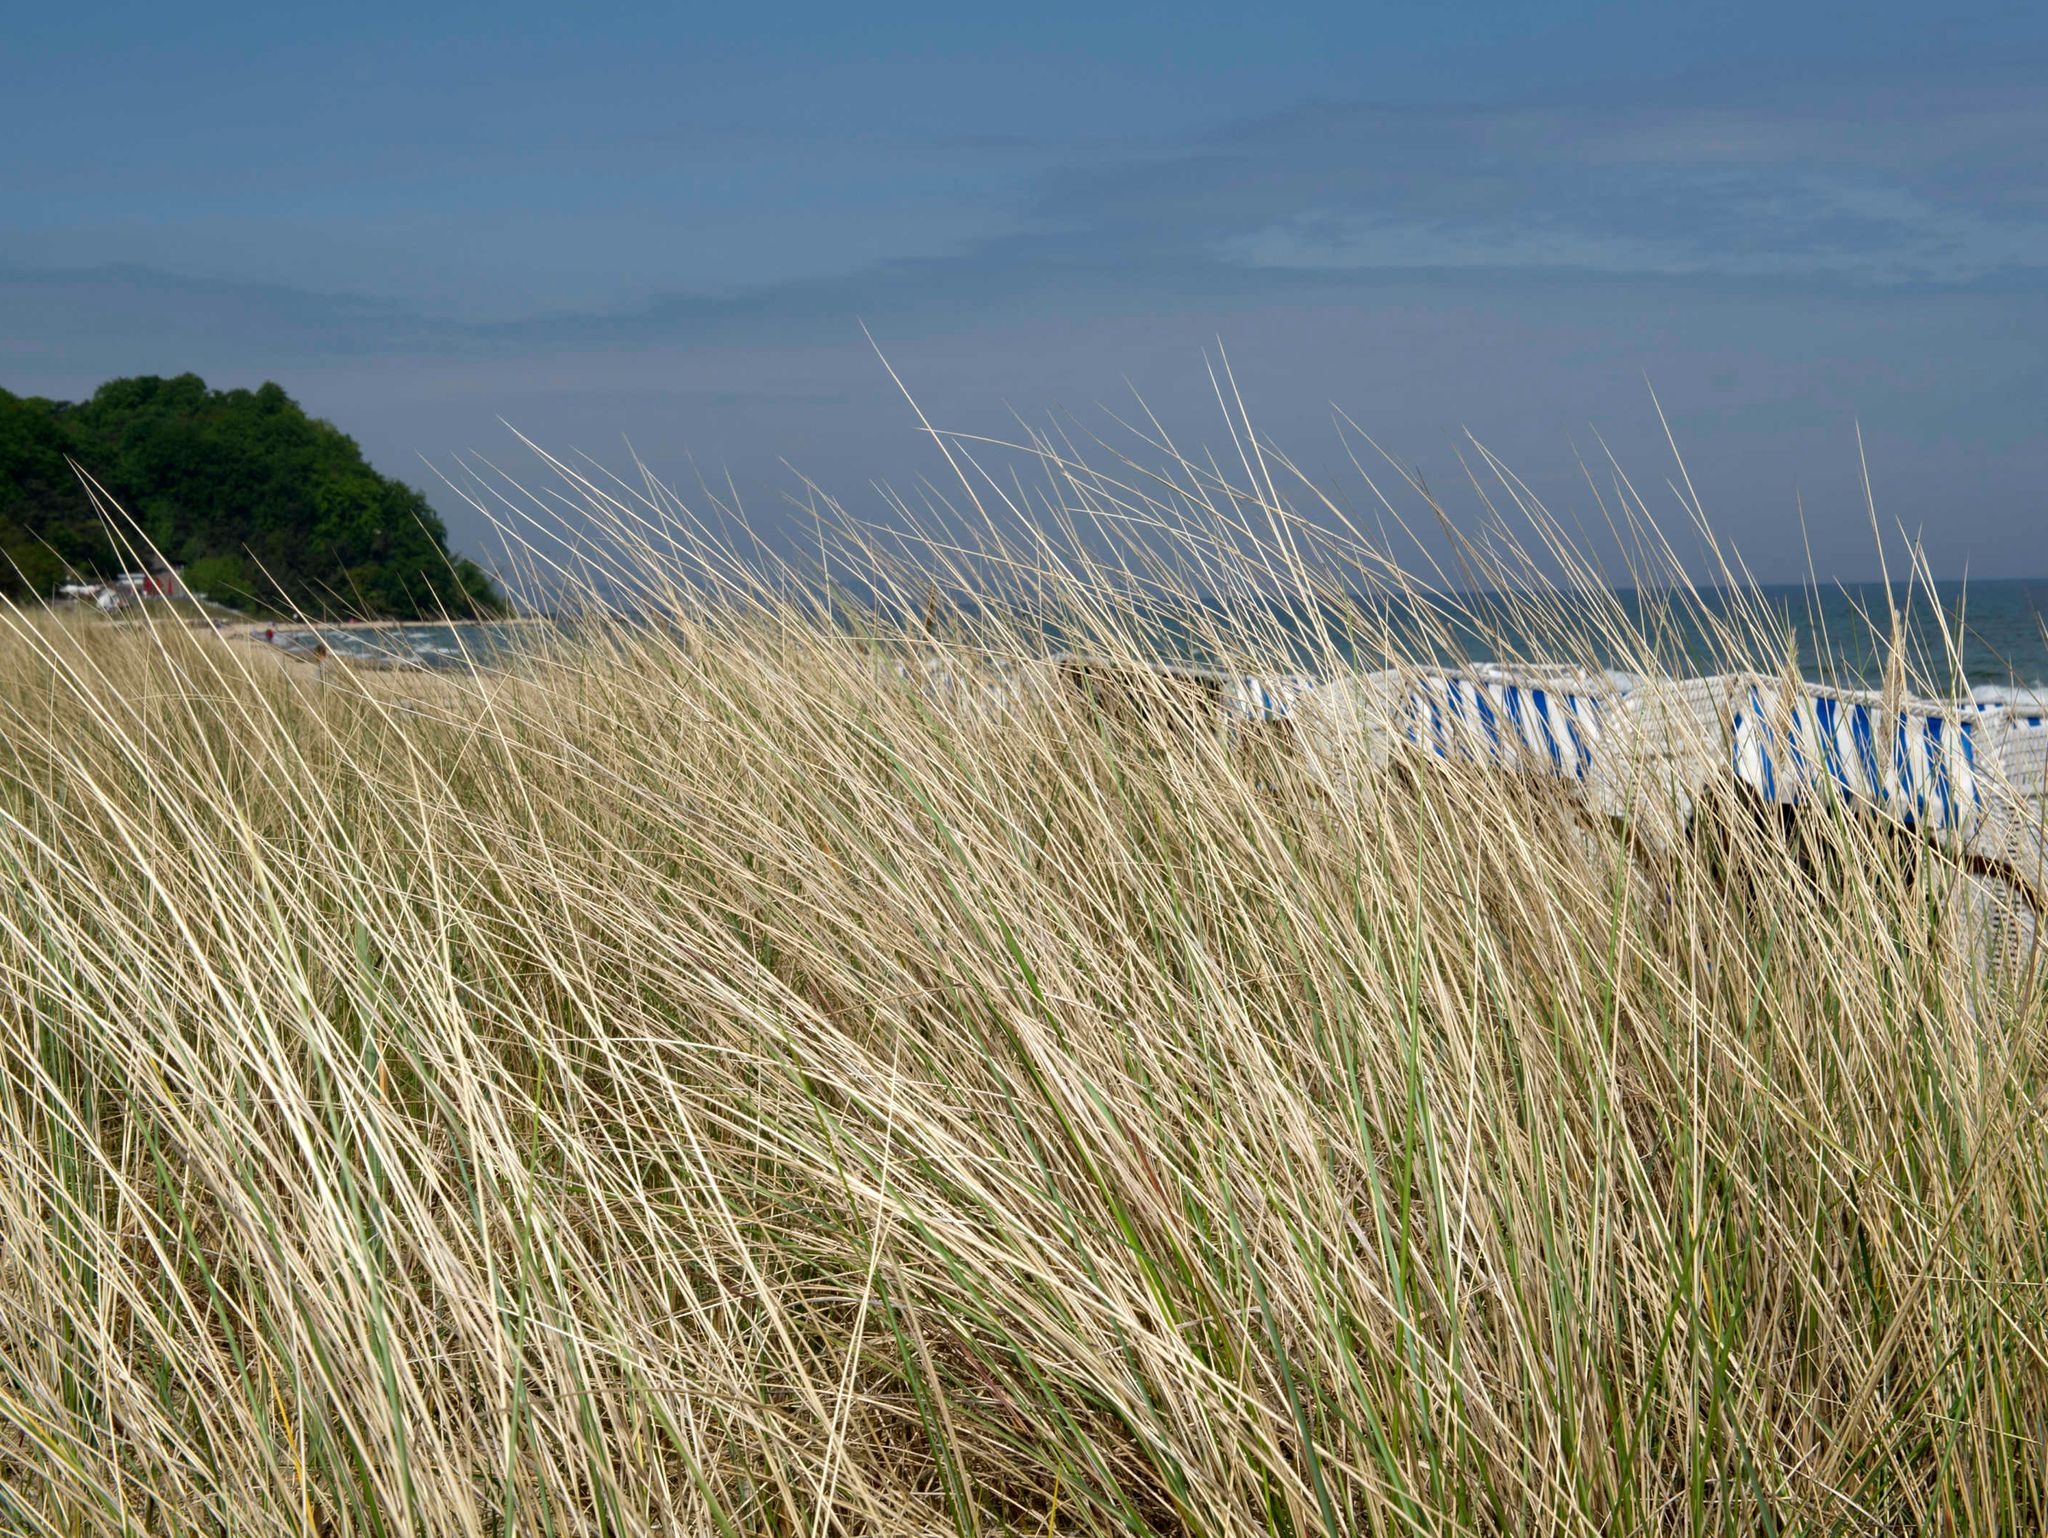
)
(2033, 697)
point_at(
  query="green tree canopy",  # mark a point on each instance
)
(277, 509)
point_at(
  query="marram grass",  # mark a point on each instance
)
(700, 1086)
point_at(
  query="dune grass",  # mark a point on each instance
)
(702, 1085)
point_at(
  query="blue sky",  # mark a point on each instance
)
(669, 224)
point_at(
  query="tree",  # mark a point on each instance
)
(33, 565)
(224, 579)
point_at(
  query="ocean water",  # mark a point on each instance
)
(2004, 627)
(414, 646)
(1989, 640)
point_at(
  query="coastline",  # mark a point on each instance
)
(237, 628)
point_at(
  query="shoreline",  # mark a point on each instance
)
(247, 627)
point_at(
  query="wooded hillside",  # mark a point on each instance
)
(265, 507)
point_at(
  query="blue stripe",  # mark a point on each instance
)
(1488, 719)
(1826, 719)
(1865, 737)
(1933, 729)
(1511, 696)
(1541, 701)
(1458, 741)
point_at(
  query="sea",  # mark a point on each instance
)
(483, 644)
(1999, 631)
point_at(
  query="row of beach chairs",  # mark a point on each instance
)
(1938, 767)
(1970, 775)
(1941, 769)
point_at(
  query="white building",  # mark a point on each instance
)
(167, 583)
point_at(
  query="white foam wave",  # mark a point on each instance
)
(2033, 698)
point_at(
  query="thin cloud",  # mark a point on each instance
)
(1804, 227)
(1938, 196)
(1936, 192)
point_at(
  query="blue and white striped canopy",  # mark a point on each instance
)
(1917, 763)
(1546, 726)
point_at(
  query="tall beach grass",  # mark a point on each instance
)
(703, 1082)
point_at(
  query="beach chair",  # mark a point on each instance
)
(1260, 698)
(2016, 744)
(1573, 729)
(1248, 706)
(1621, 760)
(1967, 779)
(1152, 697)
(1542, 721)
(2008, 849)
(1638, 752)
(972, 687)
(1548, 722)
(1343, 728)
(1914, 762)
(1259, 727)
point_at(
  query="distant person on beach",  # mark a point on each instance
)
(270, 634)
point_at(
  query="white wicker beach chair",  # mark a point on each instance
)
(1915, 762)
(1565, 725)
(975, 688)
(1541, 721)
(1344, 729)
(2016, 745)
(2009, 846)
(1967, 778)
(1253, 698)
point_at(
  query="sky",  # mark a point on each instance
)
(677, 227)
